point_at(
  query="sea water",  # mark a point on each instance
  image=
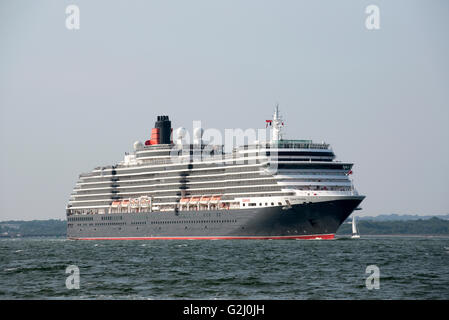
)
(408, 268)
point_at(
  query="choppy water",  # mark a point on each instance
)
(410, 268)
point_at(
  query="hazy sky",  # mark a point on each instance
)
(72, 100)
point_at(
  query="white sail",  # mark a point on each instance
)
(354, 227)
(355, 234)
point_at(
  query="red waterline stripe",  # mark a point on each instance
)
(309, 237)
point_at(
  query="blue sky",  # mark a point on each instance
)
(73, 100)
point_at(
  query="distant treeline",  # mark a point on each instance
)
(401, 217)
(33, 228)
(432, 226)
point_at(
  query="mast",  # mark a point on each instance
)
(277, 124)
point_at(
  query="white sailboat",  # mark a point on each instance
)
(355, 233)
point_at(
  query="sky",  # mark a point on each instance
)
(72, 100)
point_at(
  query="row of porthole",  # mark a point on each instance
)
(252, 204)
(193, 221)
(80, 219)
(164, 222)
(112, 218)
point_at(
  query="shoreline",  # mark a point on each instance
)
(337, 236)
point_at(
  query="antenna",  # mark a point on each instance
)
(277, 124)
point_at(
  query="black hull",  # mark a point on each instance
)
(304, 221)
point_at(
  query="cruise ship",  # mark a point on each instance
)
(165, 189)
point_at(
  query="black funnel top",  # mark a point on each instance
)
(164, 126)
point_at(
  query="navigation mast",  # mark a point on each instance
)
(277, 125)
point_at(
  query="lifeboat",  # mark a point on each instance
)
(115, 204)
(144, 202)
(205, 200)
(134, 203)
(194, 200)
(184, 200)
(125, 203)
(215, 199)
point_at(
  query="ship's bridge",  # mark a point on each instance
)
(294, 144)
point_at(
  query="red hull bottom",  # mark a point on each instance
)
(308, 237)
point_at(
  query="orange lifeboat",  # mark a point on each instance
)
(194, 200)
(134, 203)
(184, 200)
(205, 199)
(115, 204)
(144, 202)
(125, 203)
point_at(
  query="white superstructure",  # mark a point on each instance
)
(171, 176)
